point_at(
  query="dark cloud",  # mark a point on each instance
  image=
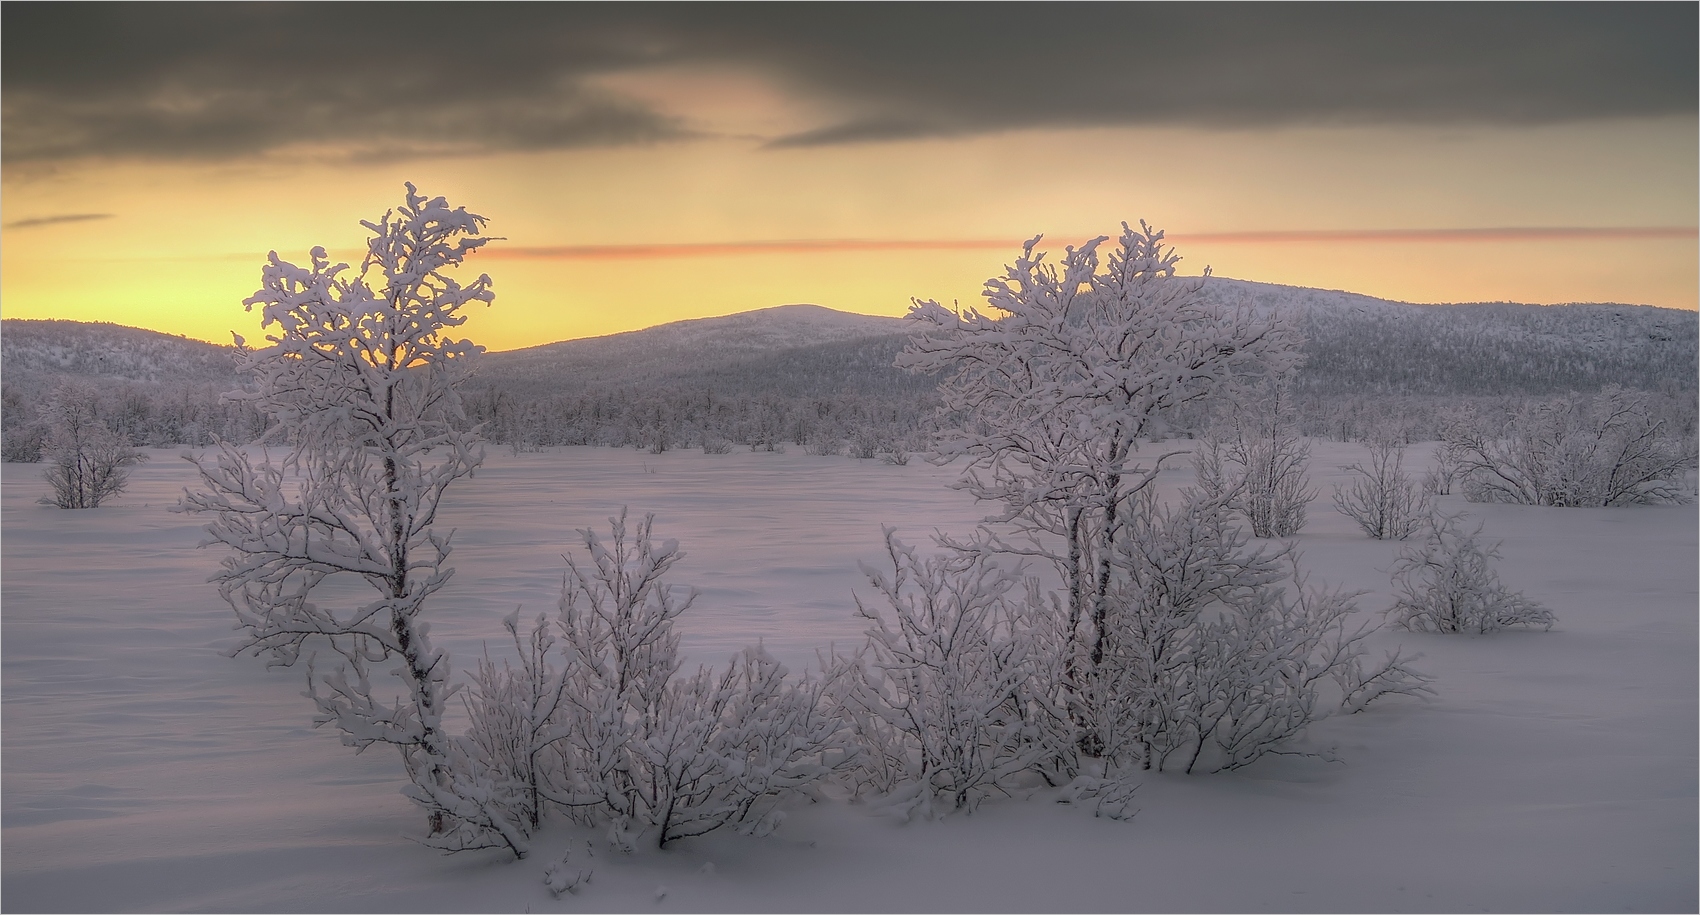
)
(34, 221)
(221, 80)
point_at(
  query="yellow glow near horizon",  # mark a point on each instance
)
(184, 244)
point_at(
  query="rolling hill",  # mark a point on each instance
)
(1357, 345)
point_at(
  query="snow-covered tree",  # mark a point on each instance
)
(1065, 374)
(1448, 584)
(360, 375)
(87, 463)
(1381, 497)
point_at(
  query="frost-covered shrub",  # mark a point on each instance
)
(1448, 585)
(22, 445)
(1611, 449)
(511, 740)
(1212, 661)
(1448, 467)
(596, 719)
(656, 438)
(823, 443)
(1382, 498)
(87, 463)
(865, 444)
(956, 693)
(643, 747)
(1258, 461)
(20, 427)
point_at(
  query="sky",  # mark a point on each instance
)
(646, 163)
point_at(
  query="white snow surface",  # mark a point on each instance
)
(145, 771)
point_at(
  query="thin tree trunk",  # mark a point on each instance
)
(1075, 597)
(1101, 590)
(401, 623)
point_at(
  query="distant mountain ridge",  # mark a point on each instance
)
(777, 327)
(1356, 344)
(669, 352)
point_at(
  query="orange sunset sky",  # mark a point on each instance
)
(652, 162)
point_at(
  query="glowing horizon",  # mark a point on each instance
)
(911, 268)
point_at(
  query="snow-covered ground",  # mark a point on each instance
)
(143, 770)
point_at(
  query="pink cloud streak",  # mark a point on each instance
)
(843, 245)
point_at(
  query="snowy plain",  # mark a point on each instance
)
(143, 770)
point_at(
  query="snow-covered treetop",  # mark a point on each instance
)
(368, 352)
(1110, 349)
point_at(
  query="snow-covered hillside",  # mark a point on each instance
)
(110, 352)
(862, 365)
(817, 373)
(699, 344)
(155, 388)
(1357, 344)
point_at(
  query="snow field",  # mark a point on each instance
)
(142, 770)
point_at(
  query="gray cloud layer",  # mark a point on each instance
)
(230, 79)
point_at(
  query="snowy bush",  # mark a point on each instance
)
(22, 444)
(865, 444)
(655, 438)
(361, 379)
(1211, 660)
(1258, 460)
(1448, 467)
(87, 463)
(644, 747)
(1611, 449)
(1381, 498)
(21, 430)
(514, 727)
(1448, 585)
(956, 693)
(823, 443)
(596, 719)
